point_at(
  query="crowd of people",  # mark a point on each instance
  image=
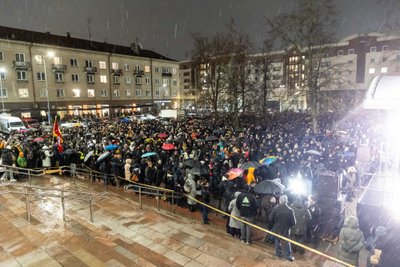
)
(194, 156)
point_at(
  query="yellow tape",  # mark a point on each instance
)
(272, 233)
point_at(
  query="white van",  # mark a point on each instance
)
(10, 123)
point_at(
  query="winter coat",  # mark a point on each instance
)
(351, 241)
(127, 167)
(303, 217)
(389, 245)
(247, 205)
(190, 189)
(22, 162)
(7, 157)
(282, 218)
(235, 212)
(46, 162)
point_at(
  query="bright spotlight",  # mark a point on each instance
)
(50, 54)
(298, 186)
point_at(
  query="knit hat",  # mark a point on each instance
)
(283, 199)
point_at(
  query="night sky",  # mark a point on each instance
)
(165, 25)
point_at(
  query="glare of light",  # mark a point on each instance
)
(50, 54)
(2, 70)
(298, 186)
(392, 196)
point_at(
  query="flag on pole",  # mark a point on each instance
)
(57, 134)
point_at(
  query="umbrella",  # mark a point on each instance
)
(191, 163)
(111, 147)
(162, 135)
(313, 152)
(167, 146)
(250, 164)
(70, 151)
(211, 138)
(199, 140)
(269, 187)
(148, 154)
(234, 173)
(88, 155)
(38, 140)
(268, 160)
(199, 170)
(103, 156)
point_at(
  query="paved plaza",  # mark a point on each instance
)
(122, 234)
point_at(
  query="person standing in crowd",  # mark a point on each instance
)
(377, 235)
(127, 168)
(303, 218)
(46, 157)
(387, 247)
(351, 241)
(283, 219)
(234, 225)
(314, 227)
(247, 204)
(190, 189)
(8, 160)
(204, 196)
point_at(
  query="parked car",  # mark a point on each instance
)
(11, 123)
(71, 124)
(145, 117)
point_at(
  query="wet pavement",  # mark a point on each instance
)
(122, 234)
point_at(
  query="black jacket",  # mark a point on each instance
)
(247, 205)
(282, 219)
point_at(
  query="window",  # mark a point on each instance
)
(2, 75)
(3, 93)
(104, 93)
(139, 92)
(166, 70)
(371, 70)
(114, 65)
(349, 72)
(372, 49)
(75, 77)
(59, 77)
(384, 70)
(127, 67)
(116, 79)
(186, 74)
(157, 92)
(88, 64)
(147, 81)
(90, 93)
(165, 81)
(39, 59)
(43, 92)
(1, 56)
(116, 93)
(174, 93)
(157, 81)
(277, 68)
(351, 51)
(73, 62)
(138, 80)
(340, 52)
(128, 80)
(89, 78)
(76, 92)
(102, 65)
(372, 60)
(173, 70)
(156, 69)
(174, 82)
(323, 64)
(146, 68)
(148, 93)
(137, 68)
(128, 92)
(60, 92)
(23, 92)
(385, 47)
(22, 75)
(103, 78)
(19, 57)
(41, 76)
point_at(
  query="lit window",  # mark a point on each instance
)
(165, 81)
(372, 49)
(102, 65)
(23, 92)
(103, 78)
(57, 60)
(384, 70)
(371, 70)
(76, 92)
(146, 68)
(39, 59)
(114, 65)
(91, 93)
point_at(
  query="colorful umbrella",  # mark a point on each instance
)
(234, 173)
(103, 156)
(149, 140)
(111, 147)
(268, 160)
(162, 135)
(167, 146)
(148, 154)
(38, 139)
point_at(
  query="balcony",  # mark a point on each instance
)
(21, 65)
(90, 69)
(58, 68)
(138, 72)
(166, 74)
(116, 72)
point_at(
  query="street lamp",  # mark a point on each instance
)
(2, 72)
(50, 55)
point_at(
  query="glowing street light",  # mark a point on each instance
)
(2, 72)
(50, 54)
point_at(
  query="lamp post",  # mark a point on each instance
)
(2, 72)
(50, 55)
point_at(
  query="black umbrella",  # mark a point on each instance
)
(103, 156)
(250, 164)
(199, 170)
(269, 187)
(211, 138)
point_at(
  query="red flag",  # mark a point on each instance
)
(57, 134)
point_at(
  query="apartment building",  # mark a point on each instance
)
(76, 76)
(346, 70)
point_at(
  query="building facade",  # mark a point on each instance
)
(42, 71)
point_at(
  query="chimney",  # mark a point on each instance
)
(68, 34)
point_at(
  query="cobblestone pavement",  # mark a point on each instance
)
(122, 234)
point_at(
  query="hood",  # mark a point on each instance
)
(351, 222)
(129, 161)
(236, 194)
(380, 231)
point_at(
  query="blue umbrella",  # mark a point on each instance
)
(111, 147)
(148, 154)
(103, 156)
